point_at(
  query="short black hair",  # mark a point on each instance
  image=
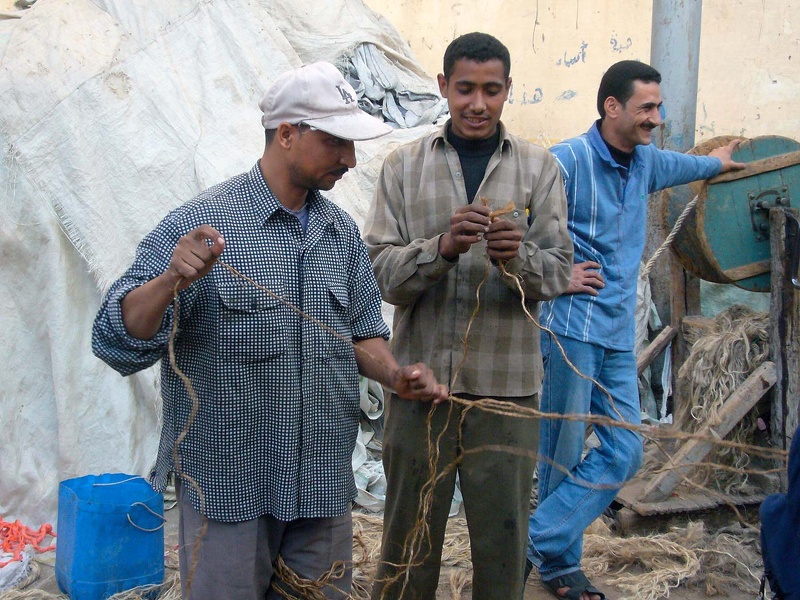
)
(477, 46)
(619, 79)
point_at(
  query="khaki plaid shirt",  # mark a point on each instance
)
(419, 189)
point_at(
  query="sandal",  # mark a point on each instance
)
(577, 584)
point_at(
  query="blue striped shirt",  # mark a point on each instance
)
(607, 212)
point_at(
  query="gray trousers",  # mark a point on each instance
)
(235, 561)
(495, 484)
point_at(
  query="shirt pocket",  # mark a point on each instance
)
(338, 345)
(252, 322)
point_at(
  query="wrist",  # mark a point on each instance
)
(446, 248)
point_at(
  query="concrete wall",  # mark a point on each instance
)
(749, 69)
(749, 75)
(749, 58)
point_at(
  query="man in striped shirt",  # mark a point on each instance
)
(608, 173)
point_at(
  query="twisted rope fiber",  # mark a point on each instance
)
(671, 237)
(176, 457)
(421, 531)
(307, 588)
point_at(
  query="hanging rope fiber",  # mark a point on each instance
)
(421, 532)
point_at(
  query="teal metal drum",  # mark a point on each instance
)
(726, 238)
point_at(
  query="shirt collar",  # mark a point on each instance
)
(266, 204)
(506, 139)
(599, 145)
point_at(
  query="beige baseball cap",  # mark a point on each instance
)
(319, 96)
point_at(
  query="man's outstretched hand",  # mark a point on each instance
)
(416, 382)
(725, 154)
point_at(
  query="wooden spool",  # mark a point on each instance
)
(726, 238)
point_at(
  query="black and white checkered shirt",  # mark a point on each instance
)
(278, 395)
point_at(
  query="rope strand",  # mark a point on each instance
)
(421, 531)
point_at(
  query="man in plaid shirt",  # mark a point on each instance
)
(433, 245)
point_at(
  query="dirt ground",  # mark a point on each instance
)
(45, 583)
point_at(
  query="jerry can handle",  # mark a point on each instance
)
(151, 511)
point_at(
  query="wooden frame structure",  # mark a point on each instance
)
(658, 494)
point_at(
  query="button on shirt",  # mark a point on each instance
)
(278, 394)
(418, 190)
(607, 221)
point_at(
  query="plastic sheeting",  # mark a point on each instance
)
(111, 114)
(646, 319)
(15, 572)
(382, 94)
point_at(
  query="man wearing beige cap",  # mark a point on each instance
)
(273, 348)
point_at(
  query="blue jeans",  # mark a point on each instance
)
(574, 492)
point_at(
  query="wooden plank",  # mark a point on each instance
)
(694, 502)
(784, 335)
(629, 522)
(685, 501)
(649, 354)
(695, 450)
(756, 167)
(746, 271)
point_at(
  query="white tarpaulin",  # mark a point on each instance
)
(111, 114)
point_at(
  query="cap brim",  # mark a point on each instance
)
(354, 126)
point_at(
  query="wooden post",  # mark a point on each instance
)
(784, 339)
(684, 300)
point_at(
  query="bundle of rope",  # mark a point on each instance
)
(718, 363)
(734, 344)
(14, 537)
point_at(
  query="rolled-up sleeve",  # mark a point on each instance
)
(404, 268)
(545, 258)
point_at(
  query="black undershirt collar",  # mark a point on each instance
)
(474, 157)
